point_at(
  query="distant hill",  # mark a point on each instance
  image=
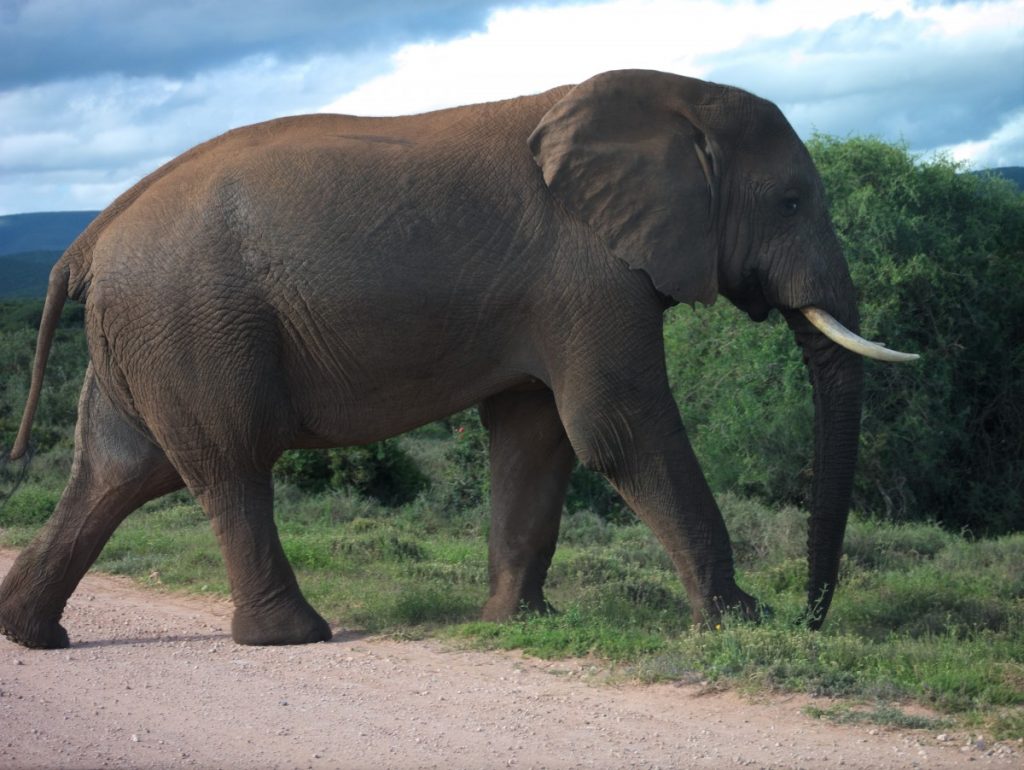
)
(48, 231)
(1014, 173)
(26, 274)
(30, 244)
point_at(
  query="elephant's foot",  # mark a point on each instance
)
(736, 601)
(293, 623)
(505, 607)
(29, 631)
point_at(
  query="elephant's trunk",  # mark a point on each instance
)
(837, 378)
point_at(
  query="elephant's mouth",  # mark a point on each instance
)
(842, 336)
(758, 309)
(751, 301)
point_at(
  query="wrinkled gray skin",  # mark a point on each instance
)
(329, 280)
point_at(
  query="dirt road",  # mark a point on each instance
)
(154, 681)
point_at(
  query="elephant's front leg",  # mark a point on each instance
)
(531, 460)
(623, 422)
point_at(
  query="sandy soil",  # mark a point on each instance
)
(154, 681)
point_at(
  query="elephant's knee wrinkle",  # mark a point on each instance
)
(599, 446)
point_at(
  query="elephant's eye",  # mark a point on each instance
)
(790, 204)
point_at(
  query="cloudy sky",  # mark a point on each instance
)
(94, 94)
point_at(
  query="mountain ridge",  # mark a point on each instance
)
(41, 231)
(31, 243)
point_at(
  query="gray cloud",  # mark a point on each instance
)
(97, 93)
(46, 40)
(102, 134)
(886, 78)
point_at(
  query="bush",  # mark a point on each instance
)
(590, 491)
(30, 505)
(764, 535)
(381, 470)
(54, 422)
(467, 464)
(584, 528)
(885, 546)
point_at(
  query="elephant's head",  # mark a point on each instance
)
(708, 190)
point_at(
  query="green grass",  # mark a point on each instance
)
(923, 617)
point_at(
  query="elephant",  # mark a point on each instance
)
(328, 280)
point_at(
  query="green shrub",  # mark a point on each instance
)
(589, 567)
(54, 422)
(637, 545)
(591, 491)
(307, 469)
(762, 534)
(1000, 558)
(382, 470)
(467, 463)
(379, 544)
(745, 400)
(29, 505)
(584, 528)
(885, 546)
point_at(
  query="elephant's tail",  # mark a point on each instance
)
(56, 294)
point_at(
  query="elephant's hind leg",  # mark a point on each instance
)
(223, 424)
(531, 460)
(269, 607)
(116, 469)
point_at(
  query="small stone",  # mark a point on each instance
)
(135, 738)
(942, 738)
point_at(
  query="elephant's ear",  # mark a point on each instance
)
(626, 153)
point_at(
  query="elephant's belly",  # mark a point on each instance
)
(365, 406)
(368, 364)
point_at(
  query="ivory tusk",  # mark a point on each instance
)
(840, 335)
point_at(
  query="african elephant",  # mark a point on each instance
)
(328, 280)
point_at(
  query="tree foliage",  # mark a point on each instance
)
(382, 470)
(54, 422)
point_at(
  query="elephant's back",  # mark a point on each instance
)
(263, 170)
(299, 212)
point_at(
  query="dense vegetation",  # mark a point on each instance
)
(392, 537)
